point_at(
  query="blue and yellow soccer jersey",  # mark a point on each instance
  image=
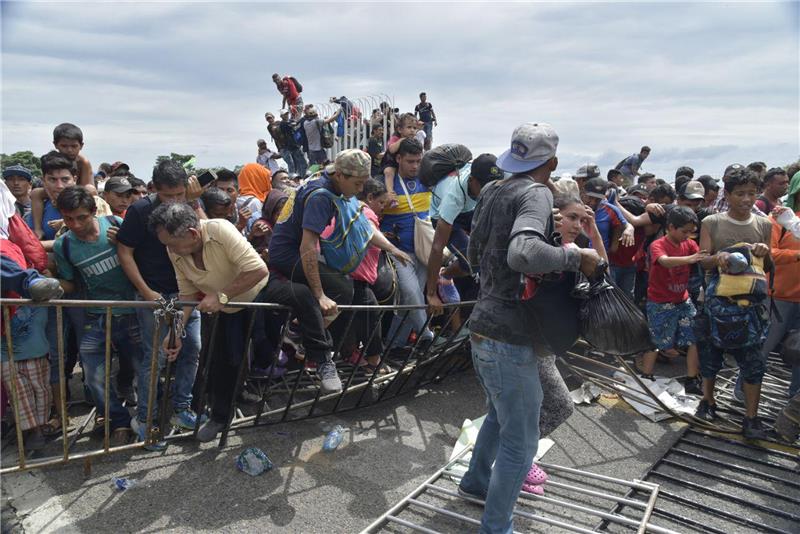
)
(400, 220)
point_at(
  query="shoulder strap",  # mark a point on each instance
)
(65, 248)
(405, 191)
(247, 202)
(112, 220)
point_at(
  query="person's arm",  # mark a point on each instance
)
(37, 211)
(379, 240)
(394, 147)
(85, 175)
(310, 263)
(332, 117)
(440, 239)
(720, 259)
(433, 116)
(641, 220)
(128, 264)
(241, 284)
(594, 234)
(670, 262)
(782, 256)
(172, 352)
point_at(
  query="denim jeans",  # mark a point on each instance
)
(509, 435)
(74, 319)
(411, 280)
(295, 160)
(125, 337)
(15, 278)
(625, 278)
(790, 313)
(428, 128)
(317, 156)
(184, 367)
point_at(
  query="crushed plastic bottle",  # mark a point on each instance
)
(448, 291)
(122, 484)
(333, 439)
(253, 461)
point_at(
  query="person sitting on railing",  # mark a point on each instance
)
(215, 264)
(294, 253)
(86, 259)
(146, 263)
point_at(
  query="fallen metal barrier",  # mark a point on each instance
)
(719, 485)
(289, 396)
(436, 506)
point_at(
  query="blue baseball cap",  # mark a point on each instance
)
(532, 145)
(17, 170)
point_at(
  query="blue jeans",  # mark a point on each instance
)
(15, 278)
(295, 160)
(790, 313)
(184, 368)
(625, 278)
(74, 319)
(411, 280)
(509, 435)
(317, 156)
(125, 337)
(428, 128)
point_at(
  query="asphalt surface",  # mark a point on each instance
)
(389, 450)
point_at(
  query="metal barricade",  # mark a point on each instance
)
(291, 395)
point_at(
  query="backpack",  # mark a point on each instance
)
(344, 249)
(297, 85)
(325, 135)
(737, 317)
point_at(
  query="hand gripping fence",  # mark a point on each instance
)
(286, 393)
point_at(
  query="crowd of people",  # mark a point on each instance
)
(507, 231)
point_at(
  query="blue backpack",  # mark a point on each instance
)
(347, 245)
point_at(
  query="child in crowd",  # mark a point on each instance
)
(374, 198)
(406, 127)
(30, 350)
(670, 313)
(68, 140)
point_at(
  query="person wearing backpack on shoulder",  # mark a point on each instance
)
(720, 231)
(294, 143)
(290, 89)
(313, 126)
(294, 251)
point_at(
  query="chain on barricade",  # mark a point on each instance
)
(171, 315)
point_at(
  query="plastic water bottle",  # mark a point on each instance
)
(333, 439)
(448, 291)
(122, 484)
(737, 263)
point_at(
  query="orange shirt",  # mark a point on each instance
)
(786, 255)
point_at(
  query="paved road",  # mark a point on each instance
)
(390, 449)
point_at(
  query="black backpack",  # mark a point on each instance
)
(297, 85)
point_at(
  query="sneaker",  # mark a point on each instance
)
(693, 386)
(34, 441)
(208, 432)
(752, 428)
(536, 476)
(706, 411)
(469, 495)
(45, 289)
(329, 378)
(186, 419)
(139, 428)
(247, 397)
(120, 437)
(128, 396)
(536, 489)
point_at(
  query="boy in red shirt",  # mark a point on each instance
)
(670, 312)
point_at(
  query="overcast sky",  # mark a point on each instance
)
(702, 84)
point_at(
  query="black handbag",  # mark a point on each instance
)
(385, 286)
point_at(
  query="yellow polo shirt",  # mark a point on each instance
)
(226, 254)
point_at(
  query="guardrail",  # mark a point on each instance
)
(289, 396)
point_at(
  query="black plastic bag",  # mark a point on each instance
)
(609, 321)
(441, 161)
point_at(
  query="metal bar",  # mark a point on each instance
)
(240, 375)
(209, 355)
(642, 485)
(107, 389)
(728, 480)
(744, 502)
(62, 379)
(12, 365)
(720, 513)
(783, 454)
(410, 525)
(527, 515)
(294, 391)
(383, 357)
(648, 511)
(57, 460)
(444, 512)
(375, 329)
(152, 394)
(759, 461)
(271, 368)
(735, 467)
(337, 350)
(702, 527)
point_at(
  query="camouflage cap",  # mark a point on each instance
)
(353, 162)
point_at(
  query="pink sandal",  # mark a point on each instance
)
(536, 489)
(536, 476)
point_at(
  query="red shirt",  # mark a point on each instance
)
(669, 285)
(626, 256)
(289, 90)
